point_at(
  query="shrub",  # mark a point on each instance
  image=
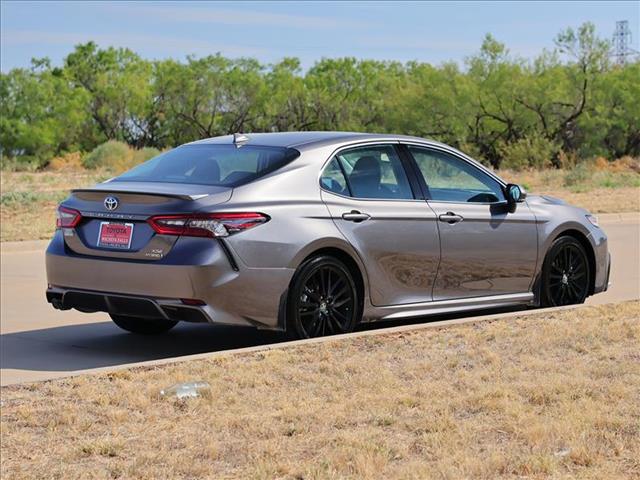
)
(145, 154)
(117, 156)
(112, 155)
(68, 161)
(12, 198)
(578, 174)
(626, 164)
(23, 163)
(567, 160)
(601, 163)
(532, 151)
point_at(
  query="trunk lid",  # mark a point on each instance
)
(130, 205)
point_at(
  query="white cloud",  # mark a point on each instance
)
(225, 16)
(181, 46)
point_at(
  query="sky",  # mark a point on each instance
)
(432, 32)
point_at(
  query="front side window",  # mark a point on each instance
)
(206, 164)
(451, 179)
(372, 172)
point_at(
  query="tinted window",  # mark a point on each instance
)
(375, 172)
(224, 165)
(451, 179)
(332, 179)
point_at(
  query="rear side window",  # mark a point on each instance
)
(219, 165)
(371, 172)
(332, 179)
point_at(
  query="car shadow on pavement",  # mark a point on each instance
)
(102, 344)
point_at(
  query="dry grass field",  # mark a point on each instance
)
(597, 191)
(550, 395)
(29, 200)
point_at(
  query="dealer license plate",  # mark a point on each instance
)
(115, 235)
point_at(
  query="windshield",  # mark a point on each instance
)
(220, 165)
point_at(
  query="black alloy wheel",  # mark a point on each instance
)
(323, 299)
(566, 275)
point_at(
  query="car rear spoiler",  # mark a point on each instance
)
(162, 193)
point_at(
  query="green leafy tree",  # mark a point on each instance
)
(588, 59)
(118, 83)
(498, 117)
(348, 94)
(611, 127)
(289, 106)
(211, 96)
(567, 103)
(40, 114)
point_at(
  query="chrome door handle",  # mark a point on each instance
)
(450, 218)
(355, 216)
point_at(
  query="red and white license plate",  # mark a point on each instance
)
(115, 235)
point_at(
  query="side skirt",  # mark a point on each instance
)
(447, 306)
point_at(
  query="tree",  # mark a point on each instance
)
(348, 94)
(118, 85)
(611, 127)
(498, 117)
(40, 113)
(588, 58)
(211, 96)
(499, 109)
(431, 102)
(289, 106)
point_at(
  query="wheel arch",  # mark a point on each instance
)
(588, 248)
(350, 260)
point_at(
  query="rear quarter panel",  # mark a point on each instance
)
(299, 223)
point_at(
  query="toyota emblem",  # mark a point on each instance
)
(111, 203)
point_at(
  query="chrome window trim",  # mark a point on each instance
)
(414, 200)
(502, 202)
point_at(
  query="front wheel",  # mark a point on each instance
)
(143, 326)
(565, 274)
(323, 299)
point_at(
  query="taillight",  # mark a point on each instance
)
(67, 217)
(207, 224)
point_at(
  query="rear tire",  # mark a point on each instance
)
(143, 326)
(566, 275)
(323, 299)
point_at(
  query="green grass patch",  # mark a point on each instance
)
(11, 199)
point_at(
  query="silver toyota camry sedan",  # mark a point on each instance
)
(312, 233)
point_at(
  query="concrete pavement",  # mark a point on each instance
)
(38, 342)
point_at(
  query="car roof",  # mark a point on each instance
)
(306, 139)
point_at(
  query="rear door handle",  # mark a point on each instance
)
(450, 218)
(355, 216)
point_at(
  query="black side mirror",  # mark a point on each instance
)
(515, 194)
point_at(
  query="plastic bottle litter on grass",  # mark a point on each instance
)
(185, 390)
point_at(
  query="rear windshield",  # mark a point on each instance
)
(220, 165)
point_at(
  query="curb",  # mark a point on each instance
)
(312, 341)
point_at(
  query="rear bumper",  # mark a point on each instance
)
(246, 296)
(90, 301)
